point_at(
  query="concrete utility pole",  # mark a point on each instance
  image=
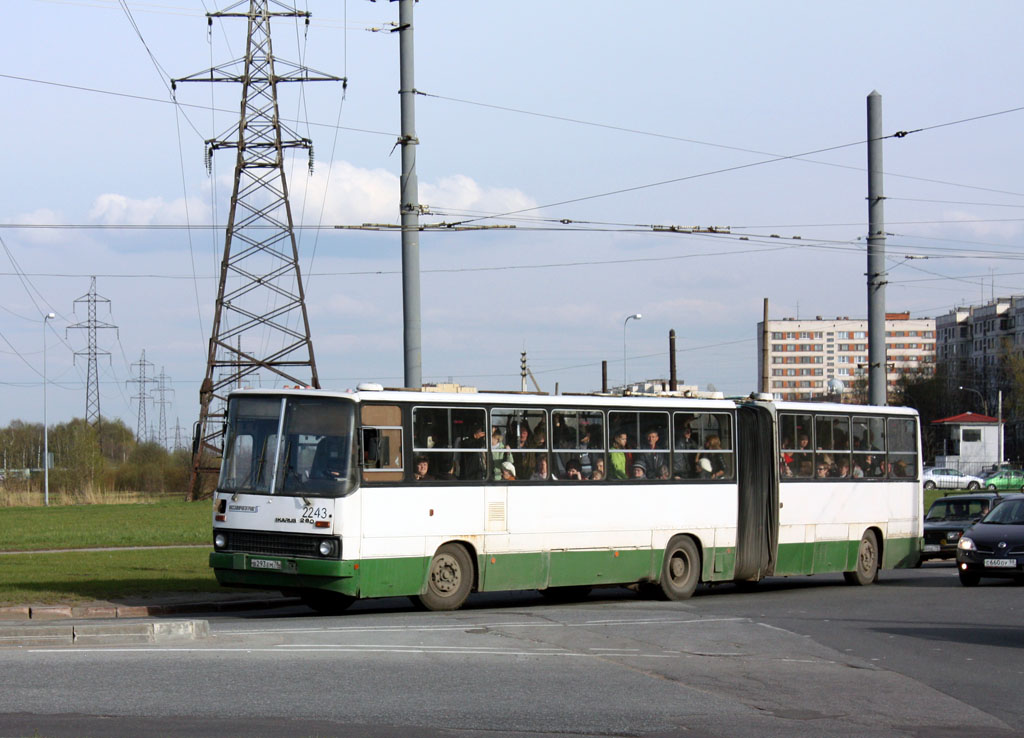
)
(673, 384)
(409, 204)
(765, 370)
(876, 256)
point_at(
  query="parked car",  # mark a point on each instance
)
(994, 546)
(948, 518)
(1005, 479)
(944, 478)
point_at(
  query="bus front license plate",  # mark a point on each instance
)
(266, 564)
(1001, 563)
(931, 547)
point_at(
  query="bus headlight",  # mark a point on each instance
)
(220, 540)
(328, 547)
(965, 544)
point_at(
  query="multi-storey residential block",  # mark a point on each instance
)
(803, 355)
(972, 341)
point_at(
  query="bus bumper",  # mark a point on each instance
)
(258, 571)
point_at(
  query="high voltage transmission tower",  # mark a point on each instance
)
(161, 401)
(91, 325)
(142, 396)
(260, 323)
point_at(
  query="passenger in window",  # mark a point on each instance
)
(822, 471)
(521, 439)
(597, 475)
(618, 457)
(542, 468)
(499, 456)
(704, 468)
(508, 471)
(872, 466)
(714, 444)
(639, 471)
(584, 442)
(599, 470)
(573, 470)
(653, 460)
(899, 469)
(802, 456)
(422, 466)
(684, 465)
(842, 469)
(472, 465)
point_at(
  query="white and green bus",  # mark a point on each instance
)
(375, 493)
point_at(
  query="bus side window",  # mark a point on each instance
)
(381, 441)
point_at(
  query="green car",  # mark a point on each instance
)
(1005, 479)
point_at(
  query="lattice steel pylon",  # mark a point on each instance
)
(161, 401)
(143, 381)
(260, 324)
(90, 325)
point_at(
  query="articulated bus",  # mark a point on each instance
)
(336, 496)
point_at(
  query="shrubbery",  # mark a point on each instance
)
(90, 460)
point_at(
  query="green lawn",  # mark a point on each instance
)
(162, 523)
(117, 576)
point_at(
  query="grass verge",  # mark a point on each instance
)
(122, 577)
(165, 523)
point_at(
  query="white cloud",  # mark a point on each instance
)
(115, 209)
(355, 195)
(41, 216)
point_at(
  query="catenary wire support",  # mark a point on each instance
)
(260, 324)
(91, 325)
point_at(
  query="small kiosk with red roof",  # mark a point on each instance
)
(970, 443)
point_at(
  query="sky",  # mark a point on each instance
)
(620, 118)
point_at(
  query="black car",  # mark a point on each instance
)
(994, 547)
(948, 518)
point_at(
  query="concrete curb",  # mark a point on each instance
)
(108, 611)
(93, 634)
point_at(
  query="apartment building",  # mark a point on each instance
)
(971, 341)
(803, 355)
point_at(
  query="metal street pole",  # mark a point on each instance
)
(877, 376)
(984, 400)
(409, 202)
(46, 430)
(637, 316)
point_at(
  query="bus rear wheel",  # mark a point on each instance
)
(680, 571)
(449, 579)
(867, 561)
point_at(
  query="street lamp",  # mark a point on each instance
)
(638, 316)
(984, 401)
(46, 431)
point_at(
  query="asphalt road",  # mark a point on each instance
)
(915, 655)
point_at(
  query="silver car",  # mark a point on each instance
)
(944, 478)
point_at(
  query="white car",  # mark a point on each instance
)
(944, 478)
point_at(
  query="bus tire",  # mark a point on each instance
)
(449, 579)
(326, 602)
(680, 570)
(867, 561)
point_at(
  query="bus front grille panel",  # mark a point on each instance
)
(276, 544)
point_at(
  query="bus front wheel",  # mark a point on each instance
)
(449, 579)
(680, 570)
(867, 561)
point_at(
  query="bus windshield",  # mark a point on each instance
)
(290, 445)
